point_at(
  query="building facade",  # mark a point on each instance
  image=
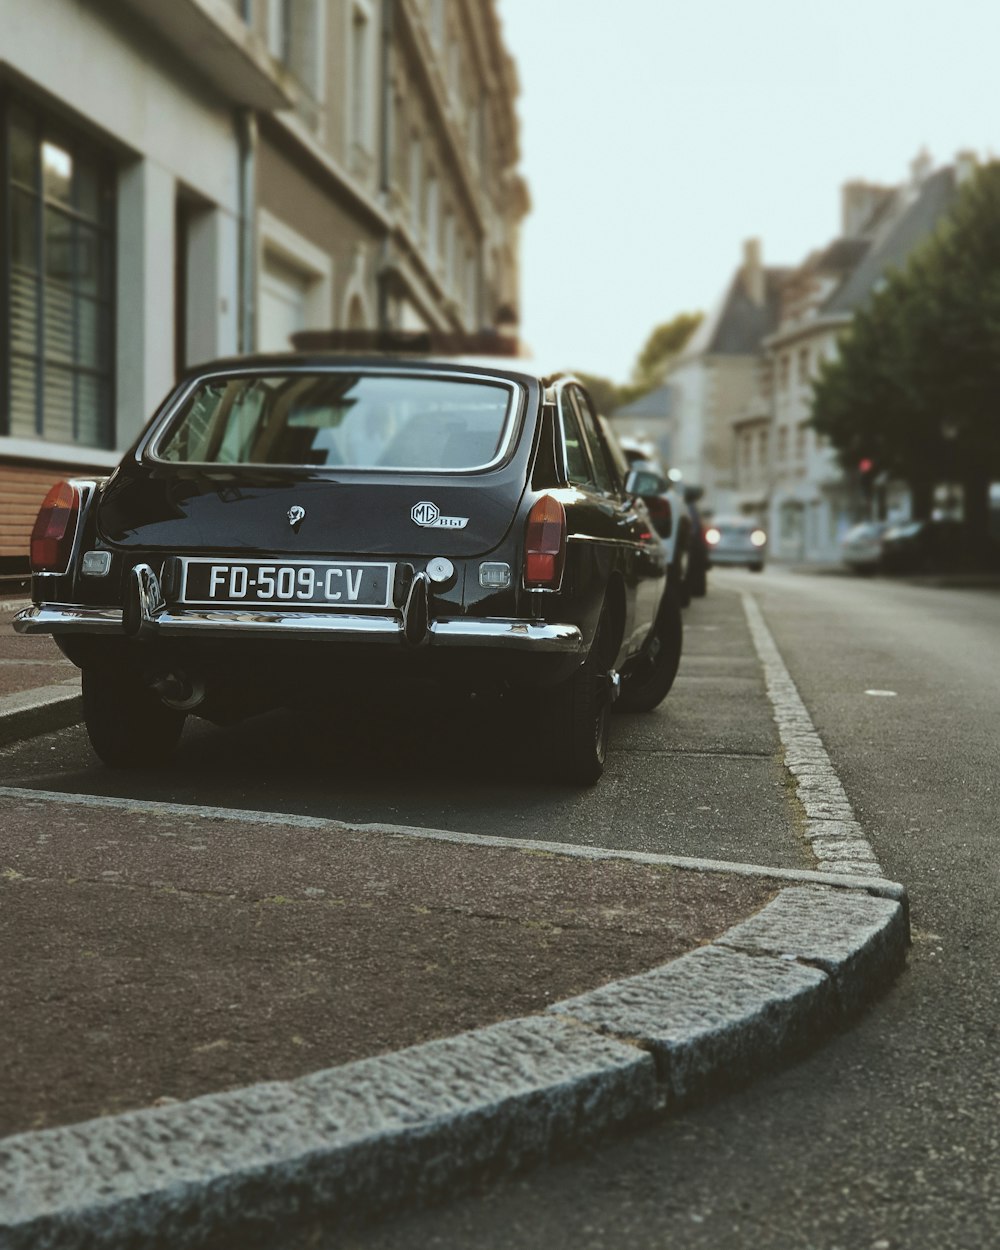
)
(715, 381)
(743, 389)
(187, 180)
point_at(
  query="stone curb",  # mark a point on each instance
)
(370, 1135)
(40, 710)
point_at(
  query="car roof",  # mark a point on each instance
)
(501, 367)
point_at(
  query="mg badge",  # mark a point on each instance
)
(429, 516)
(425, 513)
(296, 515)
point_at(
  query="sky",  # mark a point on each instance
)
(657, 136)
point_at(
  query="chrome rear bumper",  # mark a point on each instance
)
(147, 616)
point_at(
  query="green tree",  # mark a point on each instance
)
(605, 394)
(664, 344)
(917, 381)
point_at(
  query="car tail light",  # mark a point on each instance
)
(545, 544)
(55, 529)
(712, 536)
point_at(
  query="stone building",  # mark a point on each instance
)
(743, 388)
(195, 178)
(810, 501)
(716, 378)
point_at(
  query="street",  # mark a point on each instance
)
(886, 1135)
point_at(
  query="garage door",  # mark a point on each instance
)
(283, 293)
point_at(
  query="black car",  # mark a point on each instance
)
(296, 530)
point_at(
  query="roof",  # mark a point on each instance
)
(655, 403)
(500, 366)
(738, 323)
(892, 248)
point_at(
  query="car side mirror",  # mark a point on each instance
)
(645, 486)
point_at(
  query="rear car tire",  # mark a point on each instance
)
(651, 680)
(127, 724)
(583, 719)
(680, 574)
(756, 567)
(697, 576)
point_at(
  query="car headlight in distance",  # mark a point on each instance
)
(712, 536)
(758, 538)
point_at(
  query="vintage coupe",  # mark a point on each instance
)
(291, 527)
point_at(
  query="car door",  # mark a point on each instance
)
(613, 522)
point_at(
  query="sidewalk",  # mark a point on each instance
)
(39, 687)
(273, 1014)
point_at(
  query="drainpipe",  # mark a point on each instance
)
(385, 157)
(246, 131)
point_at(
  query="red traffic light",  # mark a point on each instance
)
(866, 465)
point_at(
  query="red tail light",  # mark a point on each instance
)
(545, 544)
(55, 529)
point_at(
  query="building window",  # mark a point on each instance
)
(360, 78)
(437, 21)
(782, 444)
(416, 169)
(783, 370)
(295, 37)
(449, 251)
(800, 442)
(57, 262)
(471, 291)
(804, 366)
(433, 224)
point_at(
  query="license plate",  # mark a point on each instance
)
(305, 583)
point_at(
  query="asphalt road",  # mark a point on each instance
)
(701, 776)
(887, 1136)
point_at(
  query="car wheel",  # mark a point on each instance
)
(697, 578)
(649, 683)
(756, 567)
(127, 724)
(583, 719)
(680, 575)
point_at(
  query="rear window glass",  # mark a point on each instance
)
(359, 421)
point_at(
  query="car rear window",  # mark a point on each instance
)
(340, 418)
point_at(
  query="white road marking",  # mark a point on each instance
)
(882, 694)
(834, 833)
(836, 876)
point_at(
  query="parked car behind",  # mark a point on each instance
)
(861, 546)
(297, 530)
(697, 569)
(736, 540)
(669, 512)
(923, 546)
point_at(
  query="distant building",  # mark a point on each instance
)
(193, 178)
(716, 378)
(649, 419)
(811, 501)
(743, 388)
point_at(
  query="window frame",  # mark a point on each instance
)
(48, 127)
(161, 429)
(593, 434)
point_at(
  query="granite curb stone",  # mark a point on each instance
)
(41, 710)
(378, 1130)
(425, 1120)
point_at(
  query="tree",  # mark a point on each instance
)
(664, 344)
(649, 371)
(917, 381)
(604, 392)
